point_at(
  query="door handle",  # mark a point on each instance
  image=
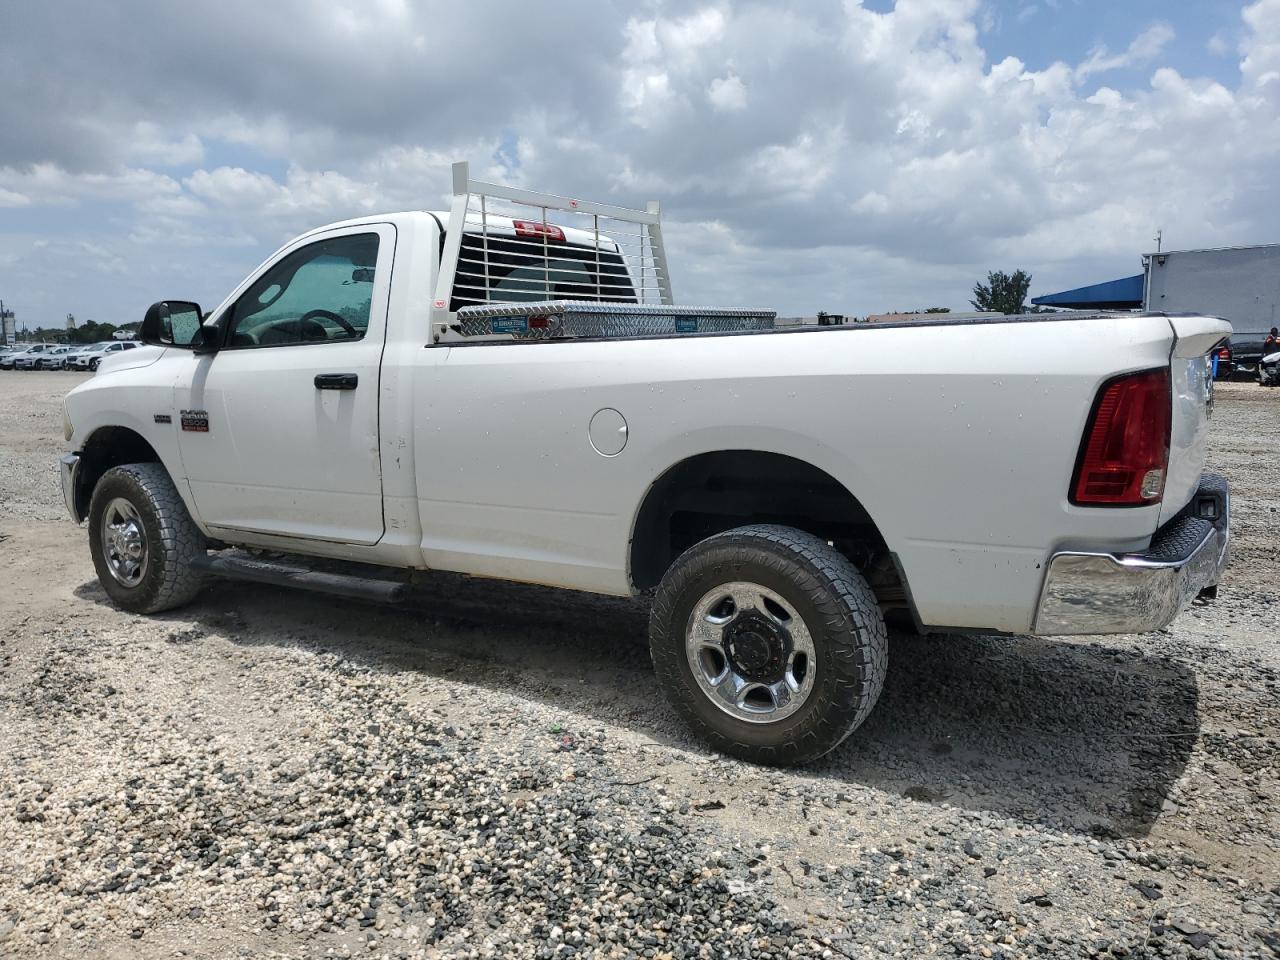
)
(336, 381)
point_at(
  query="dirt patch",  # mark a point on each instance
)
(491, 771)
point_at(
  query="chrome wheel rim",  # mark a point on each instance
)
(750, 652)
(124, 542)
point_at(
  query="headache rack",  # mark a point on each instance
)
(521, 265)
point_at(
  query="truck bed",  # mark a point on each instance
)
(561, 320)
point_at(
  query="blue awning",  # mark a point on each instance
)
(1124, 294)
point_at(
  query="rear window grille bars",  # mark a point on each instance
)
(507, 245)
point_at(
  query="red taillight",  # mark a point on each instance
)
(1126, 445)
(533, 228)
(1224, 353)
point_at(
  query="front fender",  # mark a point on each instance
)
(139, 399)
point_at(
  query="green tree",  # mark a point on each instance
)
(92, 332)
(1003, 292)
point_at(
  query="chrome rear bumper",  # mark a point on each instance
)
(68, 466)
(1140, 592)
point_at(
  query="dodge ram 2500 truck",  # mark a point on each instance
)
(515, 395)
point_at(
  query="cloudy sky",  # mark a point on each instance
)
(858, 156)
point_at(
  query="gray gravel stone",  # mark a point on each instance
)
(489, 772)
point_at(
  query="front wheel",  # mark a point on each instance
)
(769, 642)
(143, 540)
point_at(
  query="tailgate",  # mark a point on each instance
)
(1192, 388)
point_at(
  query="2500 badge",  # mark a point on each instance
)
(195, 421)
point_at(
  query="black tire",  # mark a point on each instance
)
(172, 538)
(835, 603)
(93, 364)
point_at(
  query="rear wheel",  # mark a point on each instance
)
(143, 540)
(769, 642)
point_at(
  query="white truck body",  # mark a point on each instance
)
(548, 461)
(476, 457)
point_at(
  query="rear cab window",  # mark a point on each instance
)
(498, 269)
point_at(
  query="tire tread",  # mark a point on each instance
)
(173, 581)
(854, 629)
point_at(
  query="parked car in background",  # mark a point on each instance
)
(1269, 370)
(80, 359)
(113, 350)
(1246, 352)
(26, 359)
(68, 358)
(8, 356)
(1221, 359)
(90, 359)
(52, 359)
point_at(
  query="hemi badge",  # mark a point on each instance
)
(195, 421)
(163, 418)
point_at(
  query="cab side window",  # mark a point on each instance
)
(320, 293)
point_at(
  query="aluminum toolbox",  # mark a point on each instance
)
(567, 319)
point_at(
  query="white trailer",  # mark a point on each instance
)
(1240, 284)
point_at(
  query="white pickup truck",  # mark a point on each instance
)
(511, 396)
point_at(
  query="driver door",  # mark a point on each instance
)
(279, 428)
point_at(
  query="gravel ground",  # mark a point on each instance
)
(491, 771)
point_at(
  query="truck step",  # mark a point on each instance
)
(295, 575)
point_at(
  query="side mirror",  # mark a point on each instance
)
(208, 339)
(173, 323)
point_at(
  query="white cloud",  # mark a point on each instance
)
(47, 184)
(728, 94)
(683, 38)
(642, 40)
(1145, 47)
(148, 144)
(1261, 64)
(272, 210)
(808, 155)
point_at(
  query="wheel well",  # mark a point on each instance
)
(714, 492)
(108, 447)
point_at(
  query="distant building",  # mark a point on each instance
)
(1122, 294)
(1240, 284)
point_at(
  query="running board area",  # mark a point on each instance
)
(280, 574)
